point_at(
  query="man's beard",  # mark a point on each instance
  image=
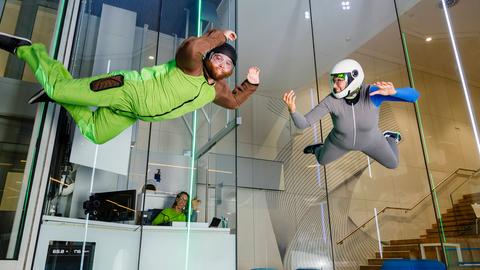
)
(215, 73)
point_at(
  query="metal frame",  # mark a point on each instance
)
(437, 245)
(64, 51)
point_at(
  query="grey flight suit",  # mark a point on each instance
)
(355, 127)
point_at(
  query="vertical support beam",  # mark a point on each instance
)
(423, 143)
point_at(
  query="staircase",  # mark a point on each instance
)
(458, 227)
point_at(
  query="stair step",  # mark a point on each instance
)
(370, 267)
(469, 200)
(412, 247)
(378, 261)
(394, 254)
(458, 218)
(464, 222)
(449, 234)
(459, 215)
(406, 241)
(451, 228)
(462, 205)
(461, 210)
(471, 195)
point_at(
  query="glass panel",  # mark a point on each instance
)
(216, 190)
(94, 197)
(213, 118)
(286, 227)
(37, 22)
(449, 131)
(179, 185)
(367, 171)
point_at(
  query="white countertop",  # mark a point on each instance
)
(127, 227)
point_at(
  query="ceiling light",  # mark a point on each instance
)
(307, 15)
(151, 57)
(471, 111)
(428, 39)
(345, 5)
(448, 3)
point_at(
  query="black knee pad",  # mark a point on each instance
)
(106, 83)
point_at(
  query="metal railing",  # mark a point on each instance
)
(461, 185)
(456, 172)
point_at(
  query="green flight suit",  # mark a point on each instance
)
(153, 94)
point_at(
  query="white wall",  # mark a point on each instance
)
(257, 245)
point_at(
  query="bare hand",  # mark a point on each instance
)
(289, 99)
(253, 75)
(385, 89)
(230, 35)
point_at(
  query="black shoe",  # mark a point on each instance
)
(393, 134)
(10, 43)
(312, 148)
(40, 96)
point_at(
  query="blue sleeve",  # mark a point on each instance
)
(405, 94)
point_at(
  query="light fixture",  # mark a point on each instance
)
(151, 57)
(428, 39)
(171, 166)
(448, 3)
(345, 5)
(466, 92)
(307, 15)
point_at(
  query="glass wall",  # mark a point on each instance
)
(450, 134)
(19, 121)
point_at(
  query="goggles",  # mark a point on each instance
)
(219, 58)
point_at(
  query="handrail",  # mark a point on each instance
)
(459, 186)
(407, 209)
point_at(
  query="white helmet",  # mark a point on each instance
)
(352, 72)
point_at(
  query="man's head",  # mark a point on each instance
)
(220, 61)
(346, 78)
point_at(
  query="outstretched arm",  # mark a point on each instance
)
(311, 117)
(233, 99)
(385, 91)
(190, 53)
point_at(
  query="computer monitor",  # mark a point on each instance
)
(111, 206)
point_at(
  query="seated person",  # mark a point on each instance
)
(178, 211)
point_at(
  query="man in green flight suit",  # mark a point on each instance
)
(193, 79)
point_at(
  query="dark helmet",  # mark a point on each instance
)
(225, 49)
